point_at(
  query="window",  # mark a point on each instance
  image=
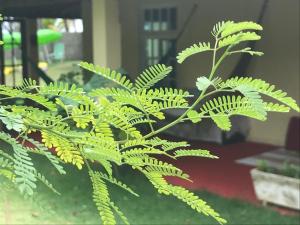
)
(11, 71)
(160, 19)
(159, 29)
(157, 50)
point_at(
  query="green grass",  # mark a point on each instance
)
(54, 71)
(75, 206)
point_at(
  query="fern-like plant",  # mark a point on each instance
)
(81, 126)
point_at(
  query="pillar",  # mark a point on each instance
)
(30, 51)
(102, 32)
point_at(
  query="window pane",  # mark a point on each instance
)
(160, 19)
(156, 21)
(165, 47)
(147, 23)
(147, 15)
(173, 18)
(164, 19)
(155, 48)
(149, 48)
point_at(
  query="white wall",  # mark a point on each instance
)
(106, 33)
(279, 65)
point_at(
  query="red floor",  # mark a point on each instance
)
(222, 176)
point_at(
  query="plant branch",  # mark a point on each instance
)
(202, 95)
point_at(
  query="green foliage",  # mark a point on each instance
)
(116, 182)
(18, 167)
(287, 169)
(11, 121)
(194, 116)
(203, 83)
(221, 108)
(261, 87)
(194, 49)
(39, 148)
(151, 76)
(237, 38)
(220, 27)
(108, 125)
(109, 74)
(43, 179)
(195, 202)
(102, 199)
(238, 27)
(290, 170)
(197, 153)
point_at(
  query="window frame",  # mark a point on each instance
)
(160, 34)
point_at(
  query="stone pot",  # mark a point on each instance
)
(276, 189)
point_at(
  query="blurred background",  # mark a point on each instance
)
(46, 39)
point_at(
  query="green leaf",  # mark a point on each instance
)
(203, 83)
(106, 126)
(19, 94)
(241, 26)
(194, 116)
(221, 120)
(43, 179)
(25, 171)
(275, 107)
(227, 106)
(167, 171)
(28, 84)
(263, 88)
(195, 202)
(11, 120)
(219, 27)
(101, 153)
(254, 98)
(194, 49)
(194, 153)
(41, 149)
(116, 182)
(238, 38)
(102, 199)
(66, 91)
(247, 50)
(109, 74)
(152, 75)
(120, 213)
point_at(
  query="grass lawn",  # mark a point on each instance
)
(54, 71)
(75, 206)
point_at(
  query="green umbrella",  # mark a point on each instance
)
(45, 36)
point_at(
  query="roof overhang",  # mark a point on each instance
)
(41, 8)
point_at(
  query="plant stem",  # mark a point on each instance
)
(214, 54)
(202, 95)
(178, 119)
(216, 66)
(85, 160)
(7, 98)
(147, 115)
(35, 126)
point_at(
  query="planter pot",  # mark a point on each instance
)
(276, 189)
